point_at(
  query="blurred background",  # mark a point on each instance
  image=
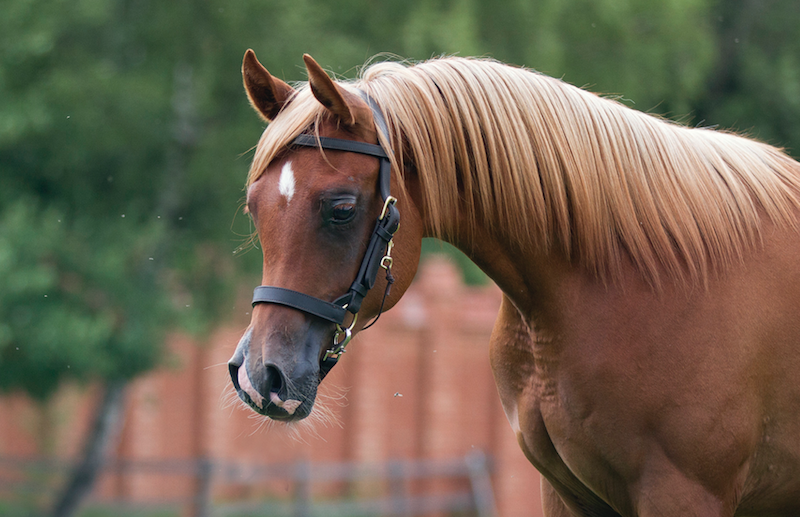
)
(126, 265)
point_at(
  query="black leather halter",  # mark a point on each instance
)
(377, 254)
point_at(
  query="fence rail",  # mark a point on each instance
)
(19, 475)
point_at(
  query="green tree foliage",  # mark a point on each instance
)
(102, 225)
(754, 85)
(67, 308)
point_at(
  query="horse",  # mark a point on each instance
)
(647, 348)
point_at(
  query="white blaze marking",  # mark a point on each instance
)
(286, 183)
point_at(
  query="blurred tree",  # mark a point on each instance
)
(755, 84)
(70, 308)
(111, 193)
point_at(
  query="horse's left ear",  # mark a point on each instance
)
(350, 109)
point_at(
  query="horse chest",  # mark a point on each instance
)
(557, 444)
(546, 367)
(548, 409)
(575, 421)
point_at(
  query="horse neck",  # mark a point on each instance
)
(523, 273)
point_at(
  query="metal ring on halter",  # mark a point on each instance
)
(338, 347)
(386, 261)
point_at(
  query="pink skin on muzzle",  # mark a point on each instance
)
(244, 383)
(289, 405)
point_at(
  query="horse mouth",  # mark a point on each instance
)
(275, 408)
(271, 410)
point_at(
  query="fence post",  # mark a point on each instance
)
(202, 493)
(398, 488)
(481, 481)
(302, 489)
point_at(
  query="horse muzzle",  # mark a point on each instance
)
(270, 389)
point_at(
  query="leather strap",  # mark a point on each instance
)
(384, 176)
(368, 272)
(339, 144)
(377, 116)
(302, 302)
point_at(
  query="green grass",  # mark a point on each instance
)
(108, 511)
(17, 509)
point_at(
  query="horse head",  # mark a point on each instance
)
(316, 205)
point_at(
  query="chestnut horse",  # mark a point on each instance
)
(647, 349)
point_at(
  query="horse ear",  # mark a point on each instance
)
(267, 94)
(348, 108)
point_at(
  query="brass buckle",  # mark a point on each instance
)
(389, 200)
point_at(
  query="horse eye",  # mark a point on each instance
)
(343, 213)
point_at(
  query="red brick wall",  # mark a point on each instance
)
(417, 385)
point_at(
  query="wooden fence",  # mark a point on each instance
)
(460, 485)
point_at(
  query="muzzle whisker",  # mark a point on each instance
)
(229, 399)
(263, 423)
(224, 363)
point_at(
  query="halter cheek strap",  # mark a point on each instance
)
(377, 255)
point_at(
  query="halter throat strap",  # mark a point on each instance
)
(376, 252)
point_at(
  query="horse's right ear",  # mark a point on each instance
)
(267, 94)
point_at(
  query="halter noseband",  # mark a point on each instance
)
(378, 252)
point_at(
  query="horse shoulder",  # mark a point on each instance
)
(771, 294)
(522, 385)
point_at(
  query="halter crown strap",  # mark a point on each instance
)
(384, 177)
(382, 234)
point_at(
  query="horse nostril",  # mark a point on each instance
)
(273, 381)
(237, 361)
(233, 369)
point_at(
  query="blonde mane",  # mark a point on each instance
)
(548, 165)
